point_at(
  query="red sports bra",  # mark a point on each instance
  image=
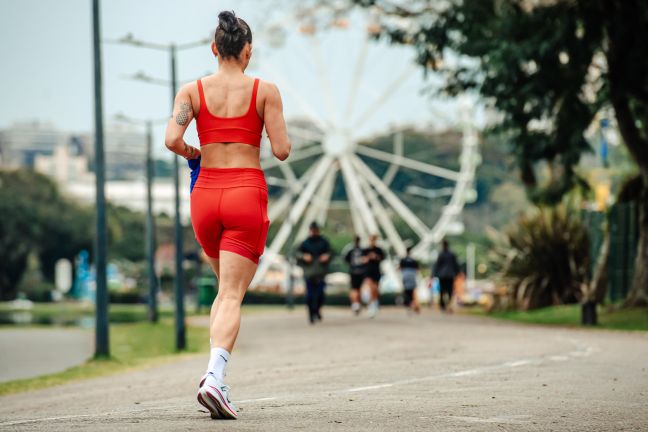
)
(241, 129)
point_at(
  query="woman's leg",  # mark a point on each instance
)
(236, 273)
(214, 263)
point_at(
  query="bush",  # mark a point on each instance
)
(126, 296)
(544, 259)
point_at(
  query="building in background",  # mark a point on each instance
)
(23, 143)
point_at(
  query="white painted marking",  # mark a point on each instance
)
(263, 399)
(512, 419)
(518, 363)
(559, 358)
(373, 387)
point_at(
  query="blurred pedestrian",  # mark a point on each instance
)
(372, 257)
(354, 257)
(409, 268)
(446, 268)
(314, 256)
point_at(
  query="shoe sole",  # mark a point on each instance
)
(213, 413)
(216, 403)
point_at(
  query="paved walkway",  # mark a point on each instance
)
(33, 351)
(394, 373)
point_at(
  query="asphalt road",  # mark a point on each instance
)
(394, 373)
(33, 351)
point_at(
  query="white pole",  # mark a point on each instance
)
(470, 265)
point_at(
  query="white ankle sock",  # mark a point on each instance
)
(218, 362)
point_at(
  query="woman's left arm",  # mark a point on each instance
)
(177, 125)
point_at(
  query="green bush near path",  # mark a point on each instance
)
(570, 315)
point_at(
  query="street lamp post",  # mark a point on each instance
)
(102, 348)
(172, 49)
(150, 220)
(181, 339)
(150, 226)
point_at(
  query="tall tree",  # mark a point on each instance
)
(547, 66)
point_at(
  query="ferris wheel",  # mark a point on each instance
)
(330, 138)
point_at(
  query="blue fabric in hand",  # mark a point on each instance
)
(194, 165)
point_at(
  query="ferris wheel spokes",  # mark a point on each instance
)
(352, 186)
(319, 204)
(293, 217)
(384, 96)
(409, 163)
(303, 153)
(281, 204)
(357, 74)
(322, 72)
(401, 209)
(383, 218)
(389, 175)
(307, 109)
(289, 175)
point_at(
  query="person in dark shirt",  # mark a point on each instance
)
(314, 256)
(354, 258)
(446, 270)
(409, 272)
(372, 257)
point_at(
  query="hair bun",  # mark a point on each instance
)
(228, 22)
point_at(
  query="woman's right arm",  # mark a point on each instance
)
(275, 124)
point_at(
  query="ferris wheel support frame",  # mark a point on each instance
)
(293, 218)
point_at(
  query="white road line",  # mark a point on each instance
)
(263, 399)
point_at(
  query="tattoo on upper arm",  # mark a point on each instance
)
(182, 118)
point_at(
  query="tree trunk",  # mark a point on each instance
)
(638, 295)
(623, 48)
(600, 281)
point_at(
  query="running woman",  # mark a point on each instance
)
(372, 257)
(409, 268)
(230, 197)
(354, 257)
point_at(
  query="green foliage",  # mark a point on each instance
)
(548, 68)
(570, 315)
(531, 65)
(36, 219)
(544, 258)
(126, 233)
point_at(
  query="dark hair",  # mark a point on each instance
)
(231, 35)
(408, 249)
(356, 240)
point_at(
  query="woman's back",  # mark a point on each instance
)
(228, 97)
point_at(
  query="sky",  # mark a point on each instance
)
(47, 64)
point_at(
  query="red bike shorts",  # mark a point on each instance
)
(229, 211)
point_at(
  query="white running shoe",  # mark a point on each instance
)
(355, 308)
(214, 395)
(372, 309)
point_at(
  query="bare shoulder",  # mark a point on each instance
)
(190, 91)
(268, 90)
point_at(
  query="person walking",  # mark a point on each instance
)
(314, 256)
(372, 257)
(409, 268)
(230, 196)
(446, 269)
(354, 258)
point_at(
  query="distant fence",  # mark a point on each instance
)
(623, 220)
